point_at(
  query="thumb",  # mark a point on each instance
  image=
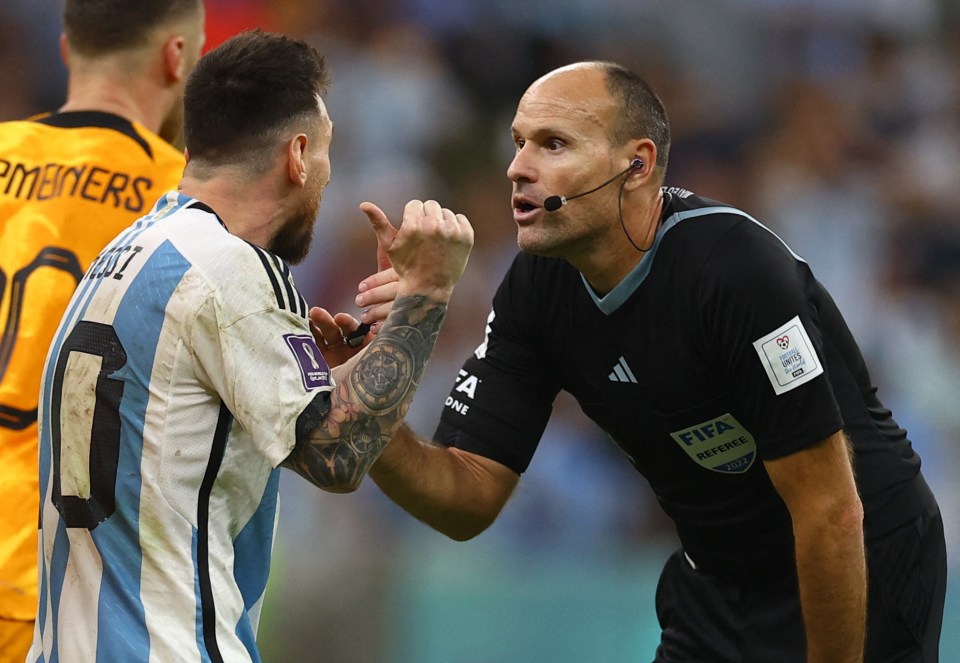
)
(381, 224)
(385, 233)
(383, 260)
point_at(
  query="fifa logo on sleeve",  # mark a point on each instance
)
(466, 384)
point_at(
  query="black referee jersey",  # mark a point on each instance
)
(718, 351)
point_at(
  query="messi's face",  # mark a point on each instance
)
(292, 242)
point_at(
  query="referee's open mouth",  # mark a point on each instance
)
(524, 209)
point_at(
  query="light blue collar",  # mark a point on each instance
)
(614, 299)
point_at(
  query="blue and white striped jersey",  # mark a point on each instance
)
(170, 396)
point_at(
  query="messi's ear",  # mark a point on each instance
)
(296, 164)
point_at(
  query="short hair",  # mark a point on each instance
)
(100, 27)
(246, 91)
(643, 114)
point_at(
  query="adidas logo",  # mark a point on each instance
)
(622, 373)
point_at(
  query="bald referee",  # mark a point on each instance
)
(720, 366)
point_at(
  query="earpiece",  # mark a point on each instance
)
(637, 164)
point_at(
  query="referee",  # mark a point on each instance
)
(712, 356)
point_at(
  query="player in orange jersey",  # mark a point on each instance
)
(69, 181)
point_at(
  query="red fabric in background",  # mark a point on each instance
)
(226, 18)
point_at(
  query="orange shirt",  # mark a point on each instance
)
(69, 182)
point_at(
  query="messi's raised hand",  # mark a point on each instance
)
(430, 249)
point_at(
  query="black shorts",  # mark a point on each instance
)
(705, 619)
(907, 590)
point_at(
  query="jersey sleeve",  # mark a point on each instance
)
(267, 369)
(502, 398)
(760, 309)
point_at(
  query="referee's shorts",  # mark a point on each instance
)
(708, 620)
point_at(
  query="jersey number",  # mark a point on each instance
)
(92, 338)
(50, 256)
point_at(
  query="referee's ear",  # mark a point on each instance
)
(645, 150)
(296, 164)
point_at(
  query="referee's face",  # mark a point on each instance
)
(561, 136)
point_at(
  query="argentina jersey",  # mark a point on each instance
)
(169, 398)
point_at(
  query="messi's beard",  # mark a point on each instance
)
(292, 241)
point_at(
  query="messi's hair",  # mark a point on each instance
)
(246, 91)
(99, 27)
(643, 114)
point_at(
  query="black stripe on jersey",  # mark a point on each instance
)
(81, 119)
(292, 295)
(207, 607)
(287, 296)
(265, 261)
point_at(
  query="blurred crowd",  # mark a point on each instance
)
(836, 124)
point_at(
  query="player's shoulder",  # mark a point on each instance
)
(164, 155)
(17, 134)
(245, 276)
(88, 132)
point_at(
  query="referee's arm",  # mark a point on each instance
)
(818, 487)
(455, 492)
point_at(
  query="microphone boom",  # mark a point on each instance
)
(553, 203)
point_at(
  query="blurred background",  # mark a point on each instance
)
(837, 124)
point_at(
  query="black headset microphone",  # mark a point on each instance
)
(553, 203)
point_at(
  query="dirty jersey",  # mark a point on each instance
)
(170, 395)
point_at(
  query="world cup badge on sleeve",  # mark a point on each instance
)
(313, 367)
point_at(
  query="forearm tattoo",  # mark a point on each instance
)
(372, 399)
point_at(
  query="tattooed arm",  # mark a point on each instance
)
(372, 396)
(375, 388)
